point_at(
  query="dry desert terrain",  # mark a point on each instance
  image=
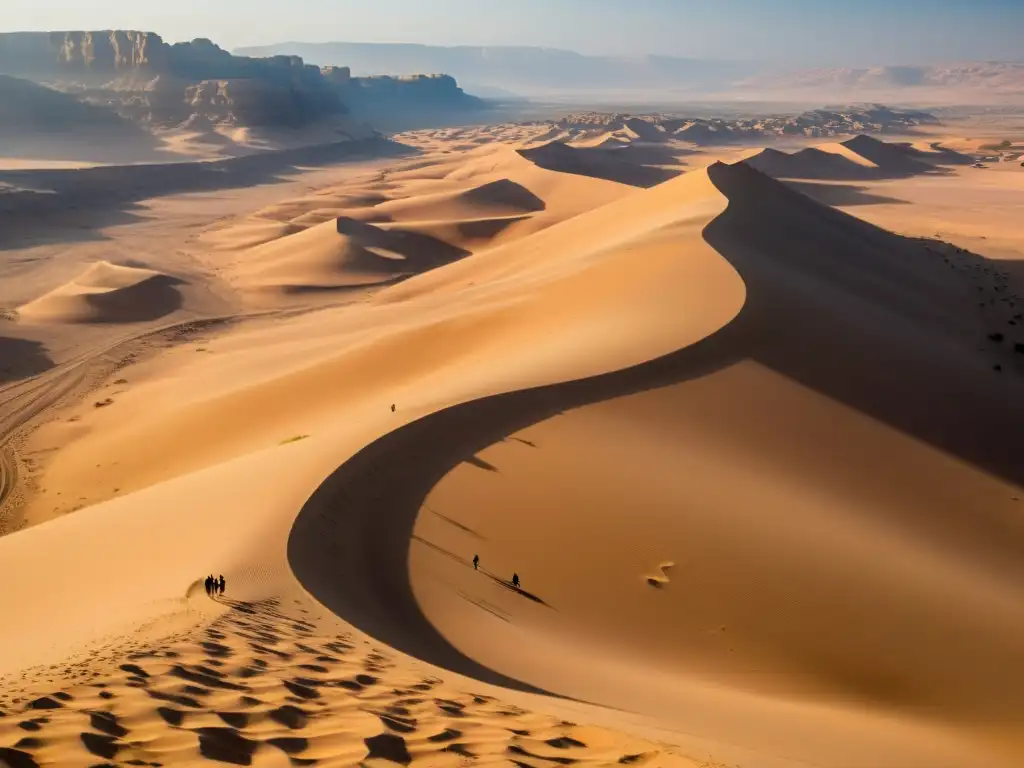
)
(745, 423)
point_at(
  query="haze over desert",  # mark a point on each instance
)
(524, 429)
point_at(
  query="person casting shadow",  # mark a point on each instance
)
(515, 580)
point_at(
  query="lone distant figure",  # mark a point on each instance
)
(515, 580)
(476, 562)
(392, 407)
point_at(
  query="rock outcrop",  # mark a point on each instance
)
(141, 77)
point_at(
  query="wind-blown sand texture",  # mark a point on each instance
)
(755, 460)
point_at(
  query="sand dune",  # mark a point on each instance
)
(933, 151)
(598, 163)
(107, 293)
(859, 158)
(341, 253)
(810, 163)
(742, 449)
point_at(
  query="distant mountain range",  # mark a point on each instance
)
(521, 70)
(981, 78)
(540, 72)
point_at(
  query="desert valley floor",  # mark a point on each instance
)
(745, 422)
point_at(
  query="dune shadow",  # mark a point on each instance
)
(597, 163)
(505, 192)
(420, 252)
(150, 299)
(22, 359)
(40, 197)
(841, 194)
(486, 229)
(350, 542)
(42, 123)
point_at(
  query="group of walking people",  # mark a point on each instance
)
(215, 586)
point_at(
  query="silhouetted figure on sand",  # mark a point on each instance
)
(392, 407)
(515, 580)
(220, 584)
(209, 585)
(476, 562)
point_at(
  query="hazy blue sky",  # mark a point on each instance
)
(804, 32)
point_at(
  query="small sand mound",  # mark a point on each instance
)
(107, 293)
(342, 253)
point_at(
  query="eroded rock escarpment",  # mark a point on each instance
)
(141, 77)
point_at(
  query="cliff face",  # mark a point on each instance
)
(108, 53)
(141, 77)
(422, 92)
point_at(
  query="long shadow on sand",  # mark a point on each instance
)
(350, 543)
(841, 194)
(21, 359)
(42, 198)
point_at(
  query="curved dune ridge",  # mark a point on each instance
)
(107, 293)
(759, 487)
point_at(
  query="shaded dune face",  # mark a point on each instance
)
(107, 293)
(830, 474)
(601, 163)
(343, 253)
